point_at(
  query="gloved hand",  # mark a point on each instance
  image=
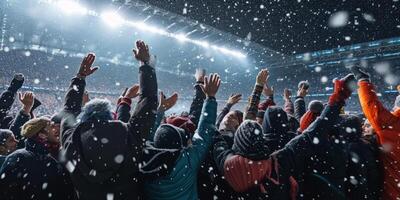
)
(359, 73)
(17, 82)
(342, 89)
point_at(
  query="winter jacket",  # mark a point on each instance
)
(364, 171)
(272, 174)
(289, 107)
(299, 107)
(20, 119)
(197, 104)
(276, 128)
(7, 99)
(32, 173)
(254, 100)
(387, 127)
(103, 156)
(181, 181)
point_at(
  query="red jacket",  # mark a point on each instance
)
(243, 174)
(387, 126)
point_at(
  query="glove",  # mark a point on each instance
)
(17, 82)
(360, 74)
(342, 90)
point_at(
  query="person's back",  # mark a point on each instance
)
(31, 173)
(173, 157)
(104, 157)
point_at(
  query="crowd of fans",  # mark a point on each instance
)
(90, 149)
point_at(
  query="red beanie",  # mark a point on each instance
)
(308, 118)
(182, 122)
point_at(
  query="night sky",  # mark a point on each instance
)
(295, 26)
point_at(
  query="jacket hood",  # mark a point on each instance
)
(275, 121)
(276, 128)
(110, 139)
(158, 162)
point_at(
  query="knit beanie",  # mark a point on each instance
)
(34, 126)
(4, 135)
(182, 122)
(250, 141)
(170, 137)
(307, 119)
(316, 106)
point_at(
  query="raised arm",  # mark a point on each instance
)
(124, 103)
(254, 100)
(289, 107)
(292, 157)
(74, 97)
(299, 103)
(233, 99)
(27, 100)
(164, 105)
(7, 98)
(202, 139)
(198, 99)
(144, 115)
(379, 116)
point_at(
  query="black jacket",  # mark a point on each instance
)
(197, 104)
(276, 128)
(364, 172)
(103, 156)
(7, 99)
(31, 173)
(299, 108)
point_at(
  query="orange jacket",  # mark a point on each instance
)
(387, 126)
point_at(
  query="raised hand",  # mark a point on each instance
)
(27, 100)
(199, 75)
(86, 68)
(234, 99)
(287, 94)
(342, 89)
(268, 90)
(211, 85)
(132, 92)
(167, 103)
(262, 77)
(359, 73)
(302, 91)
(141, 52)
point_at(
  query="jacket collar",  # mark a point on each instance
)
(36, 147)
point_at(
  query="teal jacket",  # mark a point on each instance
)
(181, 183)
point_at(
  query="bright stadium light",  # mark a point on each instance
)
(181, 37)
(112, 18)
(70, 7)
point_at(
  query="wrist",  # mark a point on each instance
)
(26, 109)
(81, 76)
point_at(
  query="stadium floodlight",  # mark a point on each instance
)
(70, 7)
(181, 37)
(112, 18)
